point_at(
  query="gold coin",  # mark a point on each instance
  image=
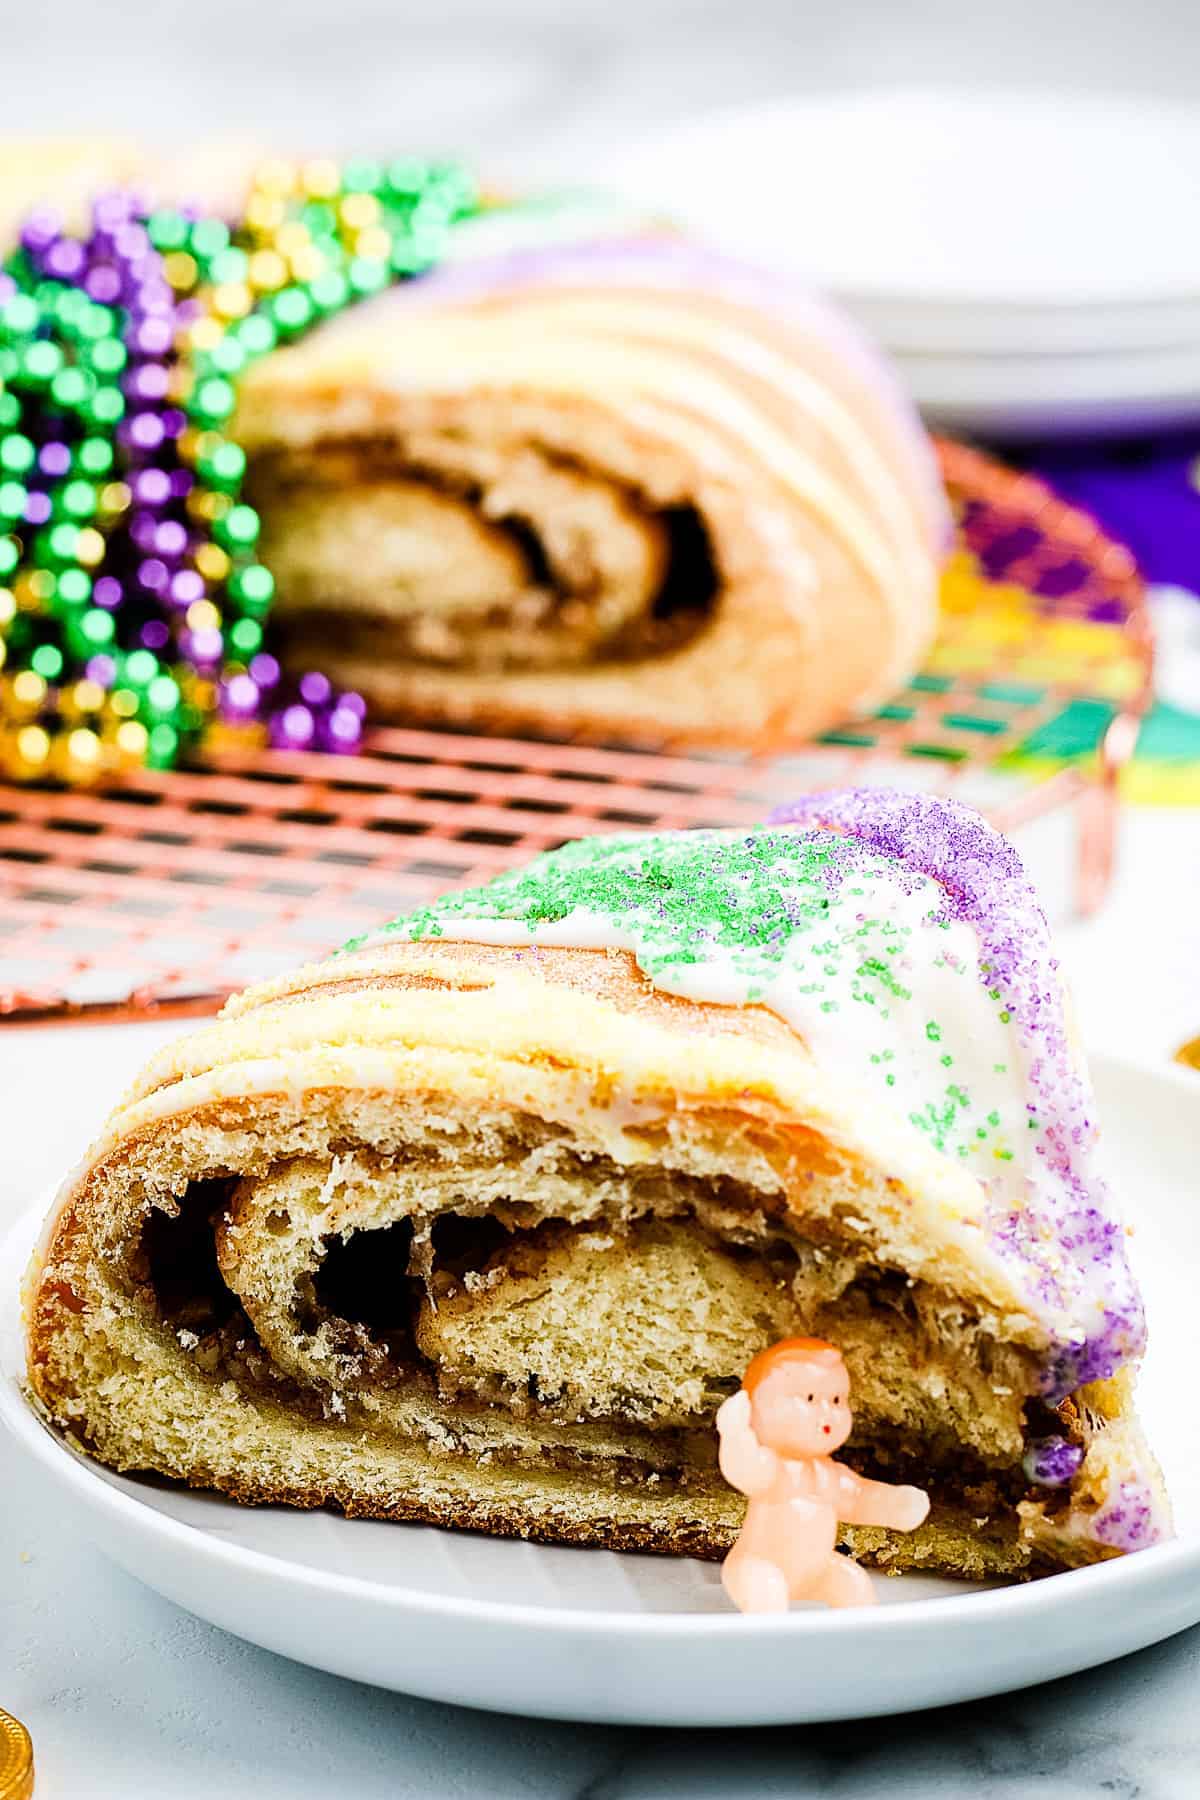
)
(16, 1759)
(1189, 1054)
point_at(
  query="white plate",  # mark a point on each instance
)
(986, 198)
(1020, 396)
(935, 328)
(586, 1635)
(1020, 255)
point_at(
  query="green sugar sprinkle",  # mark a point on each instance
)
(681, 894)
(779, 912)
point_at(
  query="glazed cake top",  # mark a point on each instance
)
(900, 936)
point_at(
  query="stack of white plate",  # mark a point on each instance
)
(1031, 261)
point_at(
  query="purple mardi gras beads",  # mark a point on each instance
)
(133, 606)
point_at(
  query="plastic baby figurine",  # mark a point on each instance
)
(778, 1433)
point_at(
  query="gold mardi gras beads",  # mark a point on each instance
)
(16, 1759)
(132, 600)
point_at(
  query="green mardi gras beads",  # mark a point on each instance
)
(130, 587)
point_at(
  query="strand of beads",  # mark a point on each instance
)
(134, 611)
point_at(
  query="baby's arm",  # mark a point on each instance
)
(863, 1502)
(745, 1463)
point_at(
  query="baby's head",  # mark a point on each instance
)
(799, 1397)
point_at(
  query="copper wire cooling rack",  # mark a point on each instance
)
(168, 891)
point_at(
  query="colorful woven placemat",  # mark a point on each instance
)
(168, 890)
(1146, 492)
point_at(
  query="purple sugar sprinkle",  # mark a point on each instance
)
(1130, 1518)
(985, 886)
(1052, 1462)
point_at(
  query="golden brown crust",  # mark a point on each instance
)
(610, 975)
(341, 1067)
(826, 571)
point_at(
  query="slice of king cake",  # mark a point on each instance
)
(478, 1221)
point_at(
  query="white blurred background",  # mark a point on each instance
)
(529, 78)
(966, 195)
